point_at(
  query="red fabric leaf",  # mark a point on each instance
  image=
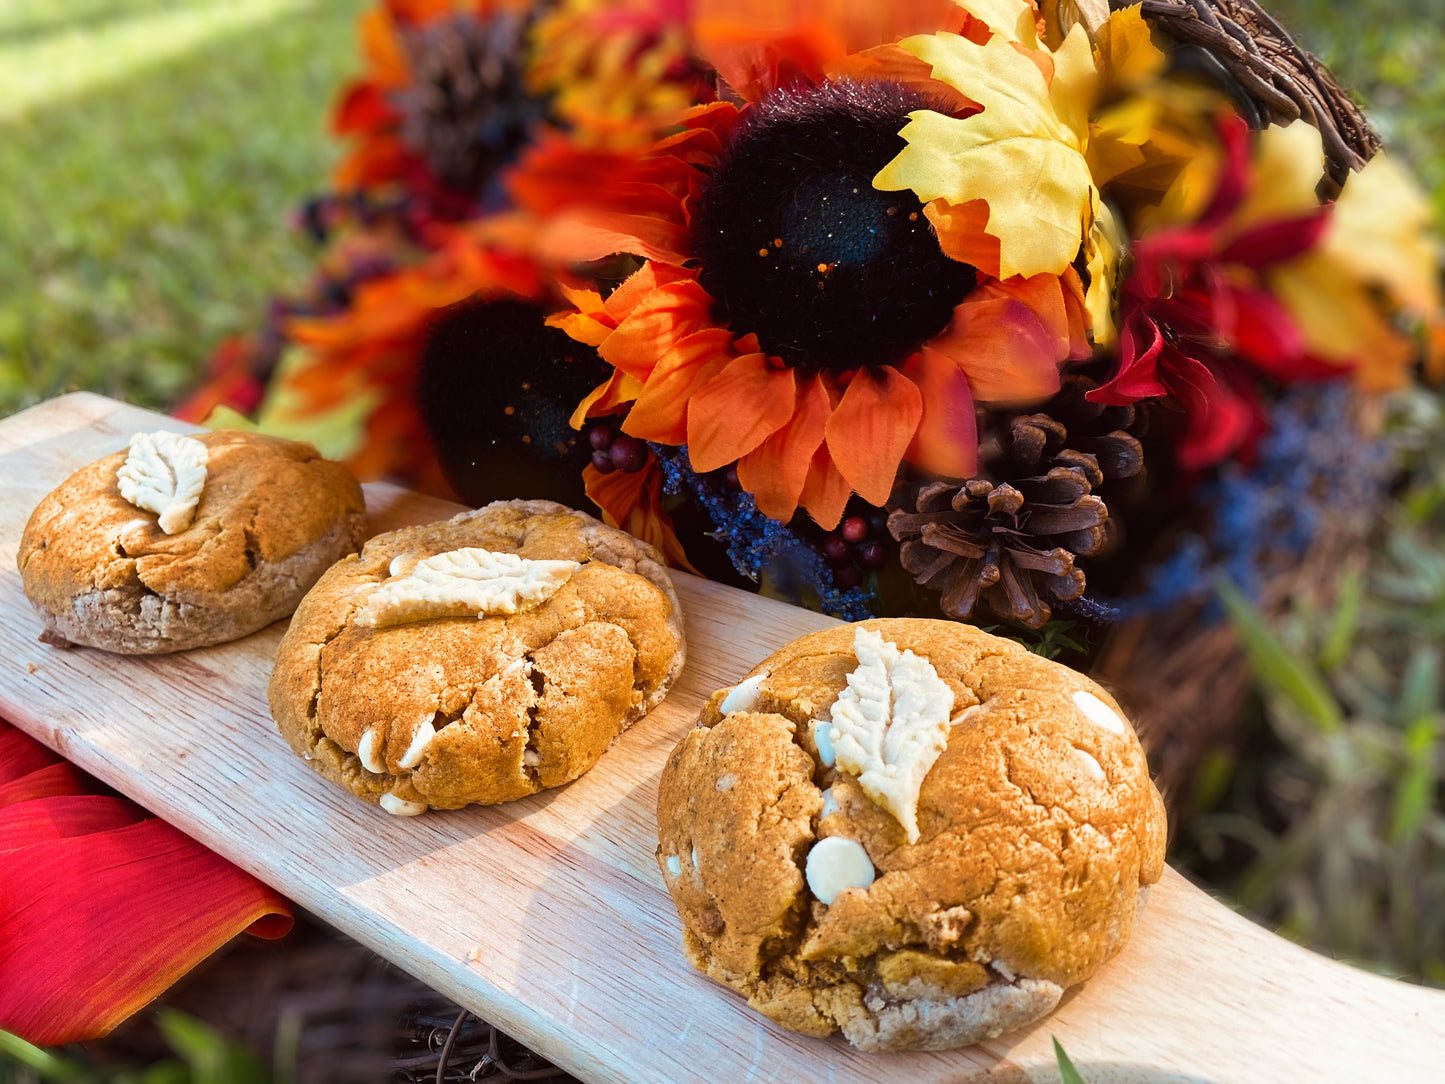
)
(102, 907)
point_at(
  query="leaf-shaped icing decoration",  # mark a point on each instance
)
(890, 724)
(462, 583)
(165, 473)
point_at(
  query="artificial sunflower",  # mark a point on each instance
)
(823, 299)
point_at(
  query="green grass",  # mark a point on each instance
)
(152, 152)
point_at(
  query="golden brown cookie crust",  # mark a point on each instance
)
(1025, 879)
(518, 703)
(272, 517)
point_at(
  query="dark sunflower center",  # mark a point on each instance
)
(796, 245)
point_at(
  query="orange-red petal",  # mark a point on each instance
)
(1003, 348)
(775, 471)
(633, 502)
(872, 427)
(946, 442)
(660, 412)
(825, 493)
(659, 322)
(749, 401)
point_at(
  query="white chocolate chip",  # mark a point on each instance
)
(425, 732)
(400, 807)
(830, 804)
(1092, 767)
(834, 864)
(674, 867)
(1098, 712)
(694, 861)
(366, 751)
(823, 739)
(726, 782)
(401, 565)
(531, 758)
(743, 696)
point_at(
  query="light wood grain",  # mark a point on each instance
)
(548, 916)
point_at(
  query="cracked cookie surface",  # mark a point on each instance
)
(272, 516)
(1039, 829)
(450, 711)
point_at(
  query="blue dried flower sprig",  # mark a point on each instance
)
(758, 545)
(1263, 519)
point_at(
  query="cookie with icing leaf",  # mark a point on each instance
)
(479, 659)
(909, 831)
(182, 541)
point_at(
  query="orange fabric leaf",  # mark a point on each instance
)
(946, 442)
(961, 233)
(825, 493)
(104, 906)
(659, 322)
(749, 401)
(872, 427)
(660, 412)
(1004, 350)
(775, 471)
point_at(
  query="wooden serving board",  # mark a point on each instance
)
(548, 916)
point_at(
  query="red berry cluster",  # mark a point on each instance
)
(858, 546)
(613, 449)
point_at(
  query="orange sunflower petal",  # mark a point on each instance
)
(662, 319)
(825, 493)
(633, 502)
(1058, 308)
(947, 439)
(1003, 348)
(660, 412)
(749, 401)
(574, 237)
(607, 398)
(872, 427)
(775, 471)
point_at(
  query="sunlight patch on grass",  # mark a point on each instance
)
(37, 68)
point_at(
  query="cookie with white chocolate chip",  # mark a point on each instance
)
(479, 659)
(184, 541)
(910, 831)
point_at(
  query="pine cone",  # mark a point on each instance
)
(1012, 535)
(1101, 440)
(467, 109)
(1012, 544)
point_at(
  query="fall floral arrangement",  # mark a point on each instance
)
(1024, 314)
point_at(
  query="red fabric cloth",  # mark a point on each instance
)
(102, 906)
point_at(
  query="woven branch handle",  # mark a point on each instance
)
(1283, 81)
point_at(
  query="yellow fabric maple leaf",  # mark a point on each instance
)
(1023, 153)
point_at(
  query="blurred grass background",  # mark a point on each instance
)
(150, 151)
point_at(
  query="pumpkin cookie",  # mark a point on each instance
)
(909, 831)
(478, 659)
(186, 541)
